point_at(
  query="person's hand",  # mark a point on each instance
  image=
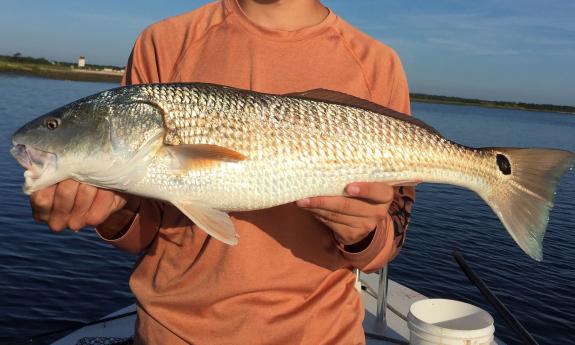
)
(74, 205)
(352, 218)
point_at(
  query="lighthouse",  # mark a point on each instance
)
(81, 62)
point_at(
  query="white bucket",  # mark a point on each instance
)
(449, 322)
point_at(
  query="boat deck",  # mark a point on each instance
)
(399, 299)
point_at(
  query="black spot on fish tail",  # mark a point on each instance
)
(503, 164)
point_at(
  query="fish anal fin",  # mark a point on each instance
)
(340, 98)
(215, 223)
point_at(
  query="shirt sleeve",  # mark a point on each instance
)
(389, 235)
(143, 64)
(142, 230)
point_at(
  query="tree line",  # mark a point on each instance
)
(495, 104)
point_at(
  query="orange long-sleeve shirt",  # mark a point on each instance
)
(287, 281)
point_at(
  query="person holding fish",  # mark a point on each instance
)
(289, 279)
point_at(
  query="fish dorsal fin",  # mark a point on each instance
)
(340, 98)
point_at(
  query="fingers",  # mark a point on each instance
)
(63, 204)
(74, 205)
(82, 205)
(375, 192)
(347, 229)
(338, 204)
(41, 203)
(346, 235)
(342, 219)
(352, 218)
(105, 202)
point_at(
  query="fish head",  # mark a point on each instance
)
(54, 146)
(96, 140)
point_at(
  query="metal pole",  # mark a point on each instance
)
(382, 299)
(357, 280)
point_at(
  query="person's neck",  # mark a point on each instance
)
(288, 15)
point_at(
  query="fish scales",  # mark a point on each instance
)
(294, 146)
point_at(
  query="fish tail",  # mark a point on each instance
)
(524, 195)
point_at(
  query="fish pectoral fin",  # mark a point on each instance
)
(216, 223)
(195, 156)
(192, 155)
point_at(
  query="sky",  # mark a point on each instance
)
(505, 50)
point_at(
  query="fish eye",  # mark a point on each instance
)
(52, 123)
(503, 164)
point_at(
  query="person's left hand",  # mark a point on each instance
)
(352, 218)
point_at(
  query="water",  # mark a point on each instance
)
(50, 281)
(445, 218)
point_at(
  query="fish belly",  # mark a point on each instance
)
(253, 185)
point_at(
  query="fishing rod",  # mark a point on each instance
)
(511, 321)
(37, 337)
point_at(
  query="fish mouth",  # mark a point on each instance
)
(33, 160)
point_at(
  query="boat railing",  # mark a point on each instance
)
(382, 299)
(381, 306)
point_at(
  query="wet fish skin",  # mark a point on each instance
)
(210, 149)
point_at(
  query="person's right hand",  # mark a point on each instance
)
(74, 205)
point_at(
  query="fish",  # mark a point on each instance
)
(212, 149)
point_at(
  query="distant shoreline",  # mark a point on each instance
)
(424, 98)
(70, 72)
(61, 73)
